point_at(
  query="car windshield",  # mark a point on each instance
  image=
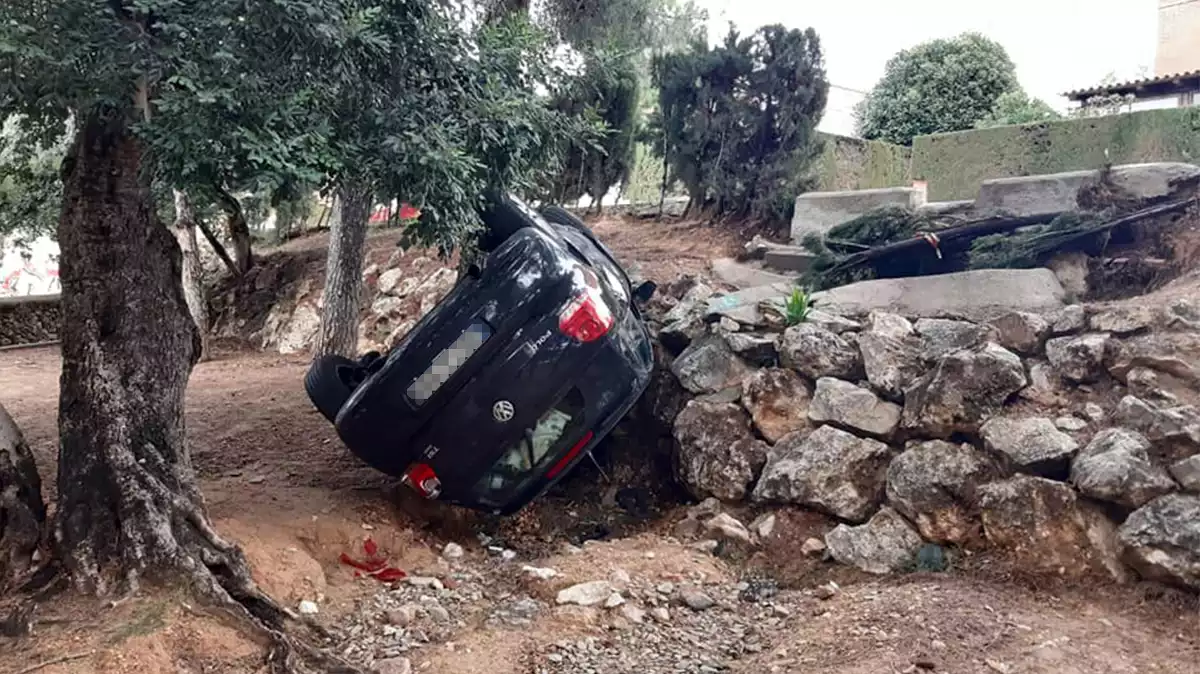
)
(533, 451)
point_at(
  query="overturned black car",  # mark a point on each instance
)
(513, 378)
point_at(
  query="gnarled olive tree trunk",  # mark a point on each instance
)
(129, 503)
(343, 274)
(22, 511)
(184, 229)
(238, 230)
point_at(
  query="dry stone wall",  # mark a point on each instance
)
(29, 320)
(1071, 439)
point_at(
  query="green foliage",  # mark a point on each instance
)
(607, 91)
(955, 164)
(797, 306)
(935, 87)
(1032, 246)
(30, 186)
(1017, 107)
(882, 226)
(738, 121)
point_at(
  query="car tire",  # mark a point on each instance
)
(561, 216)
(328, 384)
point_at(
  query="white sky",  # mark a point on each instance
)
(1057, 45)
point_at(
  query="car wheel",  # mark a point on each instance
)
(561, 216)
(501, 220)
(329, 382)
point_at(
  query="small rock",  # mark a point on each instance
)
(696, 600)
(665, 588)
(778, 402)
(425, 581)
(388, 281)
(1078, 359)
(621, 577)
(816, 352)
(763, 525)
(781, 611)
(1124, 319)
(708, 365)
(453, 551)
(1068, 320)
(1045, 386)
(437, 614)
(401, 617)
(508, 555)
(614, 600)
(1020, 331)
(884, 544)
(1033, 445)
(393, 666)
(941, 336)
(937, 645)
(826, 592)
(890, 352)
(1070, 424)
(1187, 473)
(1093, 411)
(308, 607)
(758, 350)
(997, 666)
(586, 594)
(813, 547)
(660, 614)
(845, 404)
(633, 614)
(728, 527)
(708, 546)
(539, 572)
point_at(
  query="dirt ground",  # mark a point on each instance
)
(278, 481)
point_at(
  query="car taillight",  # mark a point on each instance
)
(586, 317)
(422, 478)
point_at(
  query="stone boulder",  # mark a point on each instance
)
(778, 402)
(1079, 359)
(935, 484)
(388, 281)
(1068, 320)
(891, 353)
(1125, 319)
(832, 322)
(1031, 445)
(844, 404)
(1021, 331)
(1178, 425)
(1043, 526)
(816, 352)
(1187, 473)
(886, 543)
(717, 454)
(708, 365)
(1045, 386)
(940, 336)
(829, 470)
(685, 321)
(1161, 540)
(1115, 467)
(756, 349)
(964, 388)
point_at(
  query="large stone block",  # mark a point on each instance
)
(979, 295)
(818, 212)
(1054, 192)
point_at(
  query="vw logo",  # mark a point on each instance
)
(502, 411)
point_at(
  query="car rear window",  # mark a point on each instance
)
(537, 447)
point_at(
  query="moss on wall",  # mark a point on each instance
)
(954, 164)
(856, 164)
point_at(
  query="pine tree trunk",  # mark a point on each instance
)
(192, 277)
(129, 503)
(22, 511)
(343, 274)
(237, 229)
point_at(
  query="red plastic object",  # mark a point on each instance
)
(373, 565)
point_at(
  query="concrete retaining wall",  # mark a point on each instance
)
(29, 320)
(821, 211)
(1056, 192)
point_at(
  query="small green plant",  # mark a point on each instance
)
(798, 304)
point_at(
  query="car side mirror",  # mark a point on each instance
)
(644, 292)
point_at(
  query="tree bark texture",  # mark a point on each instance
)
(22, 511)
(238, 230)
(343, 274)
(192, 277)
(129, 504)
